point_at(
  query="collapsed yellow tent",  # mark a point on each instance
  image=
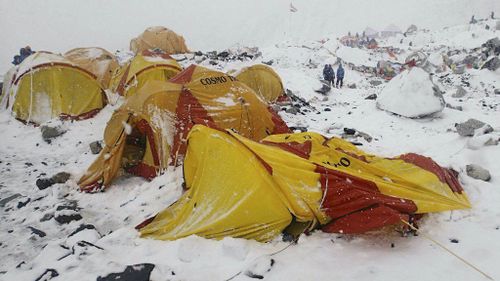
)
(241, 188)
(47, 86)
(263, 80)
(149, 131)
(148, 66)
(159, 37)
(96, 60)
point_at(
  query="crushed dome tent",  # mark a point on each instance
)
(149, 131)
(241, 188)
(47, 86)
(159, 37)
(96, 60)
(148, 66)
(263, 80)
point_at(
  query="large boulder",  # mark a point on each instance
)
(411, 94)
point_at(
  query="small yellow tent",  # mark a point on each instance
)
(159, 37)
(263, 80)
(149, 131)
(148, 66)
(241, 188)
(96, 60)
(47, 86)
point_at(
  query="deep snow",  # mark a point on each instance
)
(383, 255)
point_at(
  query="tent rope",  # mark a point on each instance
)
(447, 250)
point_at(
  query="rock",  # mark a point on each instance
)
(275, 107)
(260, 268)
(492, 47)
(292, 110)
(67, 213)
(6, 200)
(223, 54)
(270, 62)
(21, 204)
(375, 82)
(497, 91)
(48, 133)
(349, 131)
(371, 97)
(81, 228)
(324, 89)
(352, 86)
(498, 25)
(460, 92)
(44, 183)
(65, 219)
(37, 231)
(95, 147)
(492, 64)
(48, 275)
(412, 94)
(366, 136)
(302, 129)
(469, 127)
(61, 177)
(327, 109)
(492, 141)
(136, 272)
(47, 217)
(478, 172)
(456, 107)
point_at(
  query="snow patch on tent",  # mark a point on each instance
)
(411, 94)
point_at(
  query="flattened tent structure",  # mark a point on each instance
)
(263, 80)
(148, 66)
(159, 37)
(96, 60)
(47, 86)
(241, 188)
(149, 131)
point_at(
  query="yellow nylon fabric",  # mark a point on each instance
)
(142, 69)
(393, 177)
(159, 37)
(46, 92)
(234, 197)
(263, 80)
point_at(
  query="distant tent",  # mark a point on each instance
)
(263, 80)
(240, 188)
(159, 37)
(48, 86)
(148, 66)
(412, 29)
(372, 44)
(390, 30)
(96, 60)
(149, 131)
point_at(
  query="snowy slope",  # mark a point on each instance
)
(58, 26)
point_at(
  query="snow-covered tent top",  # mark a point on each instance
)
(370, 32)
(390, 30)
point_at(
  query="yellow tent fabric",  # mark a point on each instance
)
(96, 60)
(263, 80)
(241, 188)
(166, 111)
(142, 69)
(49, 86)
(159, 37)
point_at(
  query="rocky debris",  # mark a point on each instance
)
(455, 107)
(84, 248)
(23, 203)
(492, 141)
(95, 147)
(37, 232)
(242, 54)
(48, 132)
(47, 217)
(136, 272)
(6, 200)
(477, 172)
(460, 92)
(371, 97)
(301, 129)
(469, 127)
(67, 212)
(476, 142)
(292, 110)
(352, 86)
(460, 69)
(260, 268)
(44, 183)
(270, 62)
(492, 64)
(497, 91)
(298, 101)
(48, 275)
(353, 135)
(325, 88)
(276, 107)
(492, 47)
(375, 82)
(81, 228)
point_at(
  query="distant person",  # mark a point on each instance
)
(473, 20)
(492, 15)
(340, 76)
(329, 75)
(23, 54)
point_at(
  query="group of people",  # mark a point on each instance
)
(23, 53)
(329, 75)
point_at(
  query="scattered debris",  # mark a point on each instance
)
(492, 64)
(460, 92)
(469, 127)
(371, 97)
(136, 272)
(6, 200)
(95, 147)
(44, 183)
(37, 231)
(48, 133)
(48, 275)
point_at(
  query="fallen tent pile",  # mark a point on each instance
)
(241, 188)
(149, 131)
(47, 86)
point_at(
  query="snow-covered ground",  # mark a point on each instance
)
(26, 253)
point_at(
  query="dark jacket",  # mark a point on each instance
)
(340, 72)
(328, 72)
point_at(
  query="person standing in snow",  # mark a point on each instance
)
(329, 75)
(23, 53)
(340, 76)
